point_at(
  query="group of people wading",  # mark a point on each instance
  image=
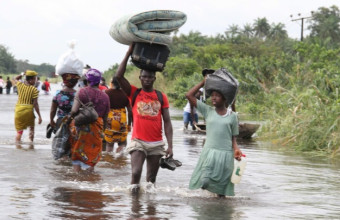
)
(116, 107)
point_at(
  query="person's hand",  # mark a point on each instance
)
(130, 49)
(194, 125)
(68, 119)
(39, 120)
(52, 123)
(205, 77)
(169, 152)
(129, 128)
(237, 153)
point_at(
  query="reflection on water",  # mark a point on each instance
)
(190, 141)
(276, 184)
(109, 160)
(142, 208)
(218, 208)
(80, 204)
(20, 146)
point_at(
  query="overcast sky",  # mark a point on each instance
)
(38, 30)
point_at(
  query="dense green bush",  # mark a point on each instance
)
(294, 85)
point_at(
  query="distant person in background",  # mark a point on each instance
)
(1, 84)
(15, 89)
(27, 101)
(83, 81)
(102, 85)
(8, 86)
(38, 84)
(47, 87)
(118, 122)
(190, 114)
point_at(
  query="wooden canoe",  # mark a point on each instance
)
(246, 130)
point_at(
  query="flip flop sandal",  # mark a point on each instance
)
(49, 131)
(177, 162)
(166, 163)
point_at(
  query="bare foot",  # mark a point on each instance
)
(119, 149)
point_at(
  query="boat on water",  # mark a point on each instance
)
(246, 130)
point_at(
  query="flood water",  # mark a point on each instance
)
(276, 184)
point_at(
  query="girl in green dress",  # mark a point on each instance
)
(216, 163)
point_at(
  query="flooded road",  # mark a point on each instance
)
(276, 184)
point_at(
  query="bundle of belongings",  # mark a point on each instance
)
(150, 31)
(69, 62)
(222, 81)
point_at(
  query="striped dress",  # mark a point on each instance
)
(26, 94)
(24, 116)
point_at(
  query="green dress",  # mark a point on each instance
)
(216, 163)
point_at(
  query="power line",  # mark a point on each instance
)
(302, 19)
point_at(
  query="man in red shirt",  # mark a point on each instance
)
(47, 87)
(102, 85)
(148, 115)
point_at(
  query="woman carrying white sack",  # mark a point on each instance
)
(70, 68)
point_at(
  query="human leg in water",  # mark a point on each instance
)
(205, 182)
(109, 147)
(31, 133)
(152, 168)
(137, 161)
(121, 146)
(18, 136)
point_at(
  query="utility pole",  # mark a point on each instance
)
(302, 19)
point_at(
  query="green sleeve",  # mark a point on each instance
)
(202, 108)
(234, 128)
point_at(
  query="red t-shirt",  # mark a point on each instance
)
(147, 115)
(47, 86)
(102, 88)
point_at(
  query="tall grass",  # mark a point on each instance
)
(305, 117)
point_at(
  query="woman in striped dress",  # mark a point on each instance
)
(27, 101)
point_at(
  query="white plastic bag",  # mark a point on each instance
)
(69, 62)
(239, 167)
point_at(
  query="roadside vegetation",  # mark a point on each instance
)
(290, 84)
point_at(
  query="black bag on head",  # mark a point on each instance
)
(222, 81)
(150, 57)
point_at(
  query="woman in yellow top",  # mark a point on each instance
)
(27, 100)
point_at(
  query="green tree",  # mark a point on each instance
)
(277, 32)
(261, 28)
(180, 67)
(184, 43)
(325, 23)
(233, 31)
(247, 31)
(44, 69)
(7, 61)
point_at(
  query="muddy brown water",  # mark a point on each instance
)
(276, 184)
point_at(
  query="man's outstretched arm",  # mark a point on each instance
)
(123, 82)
